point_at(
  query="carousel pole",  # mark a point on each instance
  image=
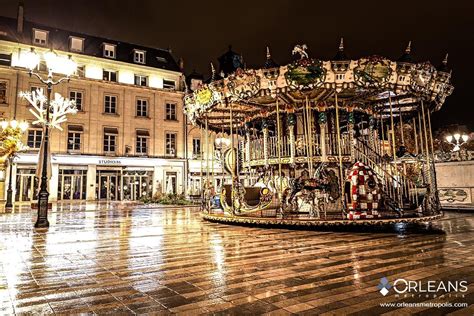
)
(247, 150)
(279, 149)
(383, 134)
(401, 124)
(265, 141)
(435, 184)
(232, 172)
(322, 120)
(416, 137)
(338, 130)
(420, 132)
(291, 133)
(310, 138)
(392, 126)
(426, 142)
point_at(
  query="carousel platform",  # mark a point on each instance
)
(315, 223)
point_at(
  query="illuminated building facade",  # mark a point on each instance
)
(129, 138)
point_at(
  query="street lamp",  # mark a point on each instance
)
(64, 66)
(11, 135)
(457, 140)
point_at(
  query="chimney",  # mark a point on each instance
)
(20, 17)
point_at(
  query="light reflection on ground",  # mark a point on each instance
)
(123, 258)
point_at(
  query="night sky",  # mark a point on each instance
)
(200, 31)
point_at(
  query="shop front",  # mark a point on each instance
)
(75, 178)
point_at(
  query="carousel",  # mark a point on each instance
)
(320, 142)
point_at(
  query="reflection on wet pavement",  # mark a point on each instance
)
(121, 258)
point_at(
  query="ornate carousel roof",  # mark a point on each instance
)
(370, 85)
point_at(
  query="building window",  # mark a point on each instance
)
(77, 97)
(139, 56)
(109, 75)
(40, 37)
(109, 50)
(80, 71)
(3, 92)
(74, 137)
(171, 144)
(169, 84)
(33, 89)
(141, 80)
(34, 138)
(142, 107)
(110, 104)
(196, 147)
(401, 78)
(76, 44)
(340, 76)
(171, 111)
(110, 139)
(142, 142)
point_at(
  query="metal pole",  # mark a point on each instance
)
(416, 137)
(339, 148)
(43, 196)
(392, 126)
(279, 149)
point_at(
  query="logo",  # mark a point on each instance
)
(384, 286)
(427, 287)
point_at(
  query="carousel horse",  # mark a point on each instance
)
(311, 194)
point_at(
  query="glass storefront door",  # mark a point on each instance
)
(108, 185)
(26, 185)
(170, 187)
(72, 184)
(137, 184)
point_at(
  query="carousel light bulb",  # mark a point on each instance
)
(449, 138)
(14, 124)
(465, 137)
(457, 136)
(4, 124)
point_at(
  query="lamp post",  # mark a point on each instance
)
(59, 65)
(12, 130)
(457, 140)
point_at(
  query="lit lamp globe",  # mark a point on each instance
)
(30, 59)
(449, 138)
(465, 138)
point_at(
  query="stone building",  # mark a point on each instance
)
(129, 138)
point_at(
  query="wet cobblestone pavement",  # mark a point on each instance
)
(125, 259)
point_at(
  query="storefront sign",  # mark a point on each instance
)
(109, 162)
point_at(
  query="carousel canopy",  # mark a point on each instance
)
(371, 85)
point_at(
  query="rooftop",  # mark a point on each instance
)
(93, 46)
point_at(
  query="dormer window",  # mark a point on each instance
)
(139, 56)
(40, 37)
(109, 50)
(76, 44)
